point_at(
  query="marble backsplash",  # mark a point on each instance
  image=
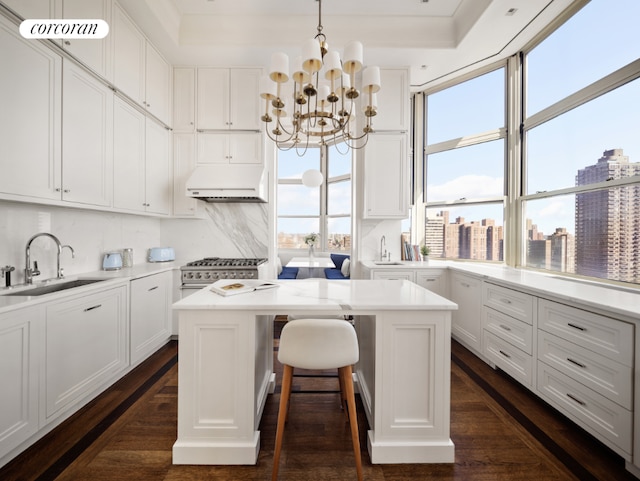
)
(227, 230)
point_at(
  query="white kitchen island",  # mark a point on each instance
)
(403, 376)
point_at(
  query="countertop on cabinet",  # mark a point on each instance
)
(111, 279)
(613, 299)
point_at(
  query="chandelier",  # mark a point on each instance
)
(323, 106)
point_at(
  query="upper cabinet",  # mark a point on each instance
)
(30, 96)
(393, 101)
(228, 99)
(32, 8)
(138, 69)
(87, 143)
(184, 99)
(94, 53)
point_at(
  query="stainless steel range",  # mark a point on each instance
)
(200, 273)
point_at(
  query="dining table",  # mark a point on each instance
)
(311, 266)
(226, 367)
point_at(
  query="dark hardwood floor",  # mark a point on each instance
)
(500, 430)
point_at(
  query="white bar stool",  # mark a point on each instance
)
(318, 344)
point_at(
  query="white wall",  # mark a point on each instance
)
(90, 233)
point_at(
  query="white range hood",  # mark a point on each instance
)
(228, 183)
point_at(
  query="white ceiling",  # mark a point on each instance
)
(435, 38)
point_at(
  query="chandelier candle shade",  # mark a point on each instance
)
(324, 95)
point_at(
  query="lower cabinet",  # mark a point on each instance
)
(18, 377)
(466, 321)
(84, 347)
(151, 299)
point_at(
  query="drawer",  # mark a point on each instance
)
(608, 421)
(606, 336)
(607, 377)
(514, 303)
(389, 274)
(511, 360)
(515, 332)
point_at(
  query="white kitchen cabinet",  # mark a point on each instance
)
(30, 117)
(399, 274)
(184, 99)
(151, 299)
(236, 148)
(87, 144)
(141, 159)
(128, 56)
(466, 322)
(157, 85)
(85, 347)
(184, 161)
(94, 53)
(434, 280)
(386, 176)
(138, 69)
(32, 8)
(18, 377)
(393, 101)
(228, 99)
(158, 182)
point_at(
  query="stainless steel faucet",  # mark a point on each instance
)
(30, 273)
(383, 241)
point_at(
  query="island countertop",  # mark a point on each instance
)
(323, 294)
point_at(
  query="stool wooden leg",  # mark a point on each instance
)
(287, 378)
(347, 381)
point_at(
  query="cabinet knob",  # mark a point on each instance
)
(66, 42)
(66, 191)
(58, 189)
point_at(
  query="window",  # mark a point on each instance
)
(465, 165)
(325, 210)
(581, 198)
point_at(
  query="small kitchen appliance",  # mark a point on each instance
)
(112, 261)
(161, 254)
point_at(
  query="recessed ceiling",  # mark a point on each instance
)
(435, 38)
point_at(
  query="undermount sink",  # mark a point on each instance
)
(387, 263)
(62, 286)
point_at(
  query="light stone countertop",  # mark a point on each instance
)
(323, 295)
(111, 279)
(601, 296)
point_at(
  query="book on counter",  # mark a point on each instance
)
(229, 287)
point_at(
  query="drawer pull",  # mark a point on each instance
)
(579, 328)
(506, 301)
(153, 288)
(504, 354)
(92, 307)
(579, 364)
(464, 284)
(573, 398)
(506, 328)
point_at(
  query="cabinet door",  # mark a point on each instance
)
(393, 275)
(213, 98)
(244, 99)
(213, 148)
(158, 198)
(184, 161)
(32, 8)
(393, 101)
(466, 322)
(245, 148)
(30, 121)
(184, 99)
(18, 377)
(157, 93)
(128, 157)
(87, 145)
(150, 308)
(433, 280)
(386, 177)
(129, 55)
(94, 53)
(84, 348)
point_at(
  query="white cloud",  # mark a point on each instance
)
(469, 186)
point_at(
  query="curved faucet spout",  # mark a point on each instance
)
(30, 272)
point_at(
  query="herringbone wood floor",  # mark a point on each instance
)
(491, 436)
